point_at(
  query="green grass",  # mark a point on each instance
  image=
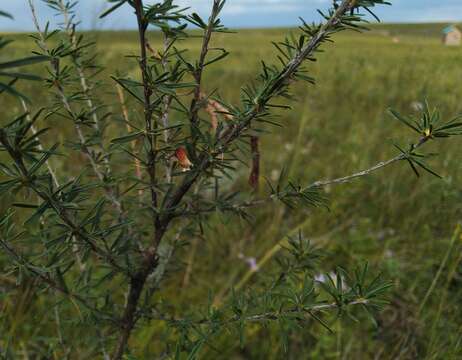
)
(402, 224)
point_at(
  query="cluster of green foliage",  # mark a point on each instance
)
(6, 68)
(106, 226)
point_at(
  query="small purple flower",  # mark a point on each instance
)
(252, 263)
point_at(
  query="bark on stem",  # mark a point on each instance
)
(138, 280)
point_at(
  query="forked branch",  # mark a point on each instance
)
(161, 223)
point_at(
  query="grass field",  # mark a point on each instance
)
(401, 224)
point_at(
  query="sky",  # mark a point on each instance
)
(237, 13)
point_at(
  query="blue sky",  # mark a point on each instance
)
(237, 13)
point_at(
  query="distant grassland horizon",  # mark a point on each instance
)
(400, 223)
(416, 28)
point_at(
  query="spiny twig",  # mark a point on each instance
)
(268, 316)
(196, 101)
(167, 102)
(138, 280)
(55, 204)
(70, 29)
(44, 277)
(109, 190)
(54, 178)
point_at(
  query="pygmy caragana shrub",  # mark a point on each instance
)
(97, 243)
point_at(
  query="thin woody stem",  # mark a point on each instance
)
(160, 225)
(34, 131)
(196, 101)
(123, 105)
(314, 309)
(138, 280)
(56, 205)
(167, 101)
(75, 247)
(368, 171)
(346, 179)
(54, 178)
(271, 316)
(148, 110)
(109, 191)
(316, 184)
(70, 29)
(43, 277)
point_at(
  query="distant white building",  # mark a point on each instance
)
(452, 36)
